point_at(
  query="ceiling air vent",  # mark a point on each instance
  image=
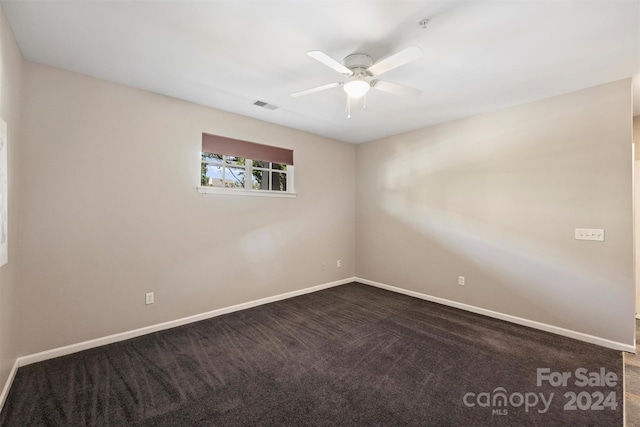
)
(265, 105)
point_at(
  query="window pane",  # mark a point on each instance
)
(211, 157)
(234, 177)
(235, 160)
(260, 164)
(278, 181)
(211, 175)
(279, 166)
(260, 180)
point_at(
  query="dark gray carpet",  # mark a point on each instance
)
(350, 355)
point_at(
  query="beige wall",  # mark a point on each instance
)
(111, 211)
(496, 198)
(10, 96)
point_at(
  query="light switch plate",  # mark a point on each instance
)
(590, 234)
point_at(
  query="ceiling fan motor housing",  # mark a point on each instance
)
(358, 63)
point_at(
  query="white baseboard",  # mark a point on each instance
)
(507, 317)
(7, 385)
(85, 345)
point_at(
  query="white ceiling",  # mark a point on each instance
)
(479, 55)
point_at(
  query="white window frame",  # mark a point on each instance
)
(247, 190)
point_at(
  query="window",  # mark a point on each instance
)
(240, 167)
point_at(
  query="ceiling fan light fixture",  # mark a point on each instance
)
(356, 88)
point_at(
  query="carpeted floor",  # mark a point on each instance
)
(349, 355)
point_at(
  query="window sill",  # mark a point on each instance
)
(241, 192)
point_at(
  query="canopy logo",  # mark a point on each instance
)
(500, 401)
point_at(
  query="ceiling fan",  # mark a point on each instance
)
(359, 68)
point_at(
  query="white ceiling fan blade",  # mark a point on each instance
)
(314, 89)
(404, 56)
(329, 62)
(395, 88)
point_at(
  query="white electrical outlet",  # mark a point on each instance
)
(339, 263)
(461, 280)
(149, 298)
